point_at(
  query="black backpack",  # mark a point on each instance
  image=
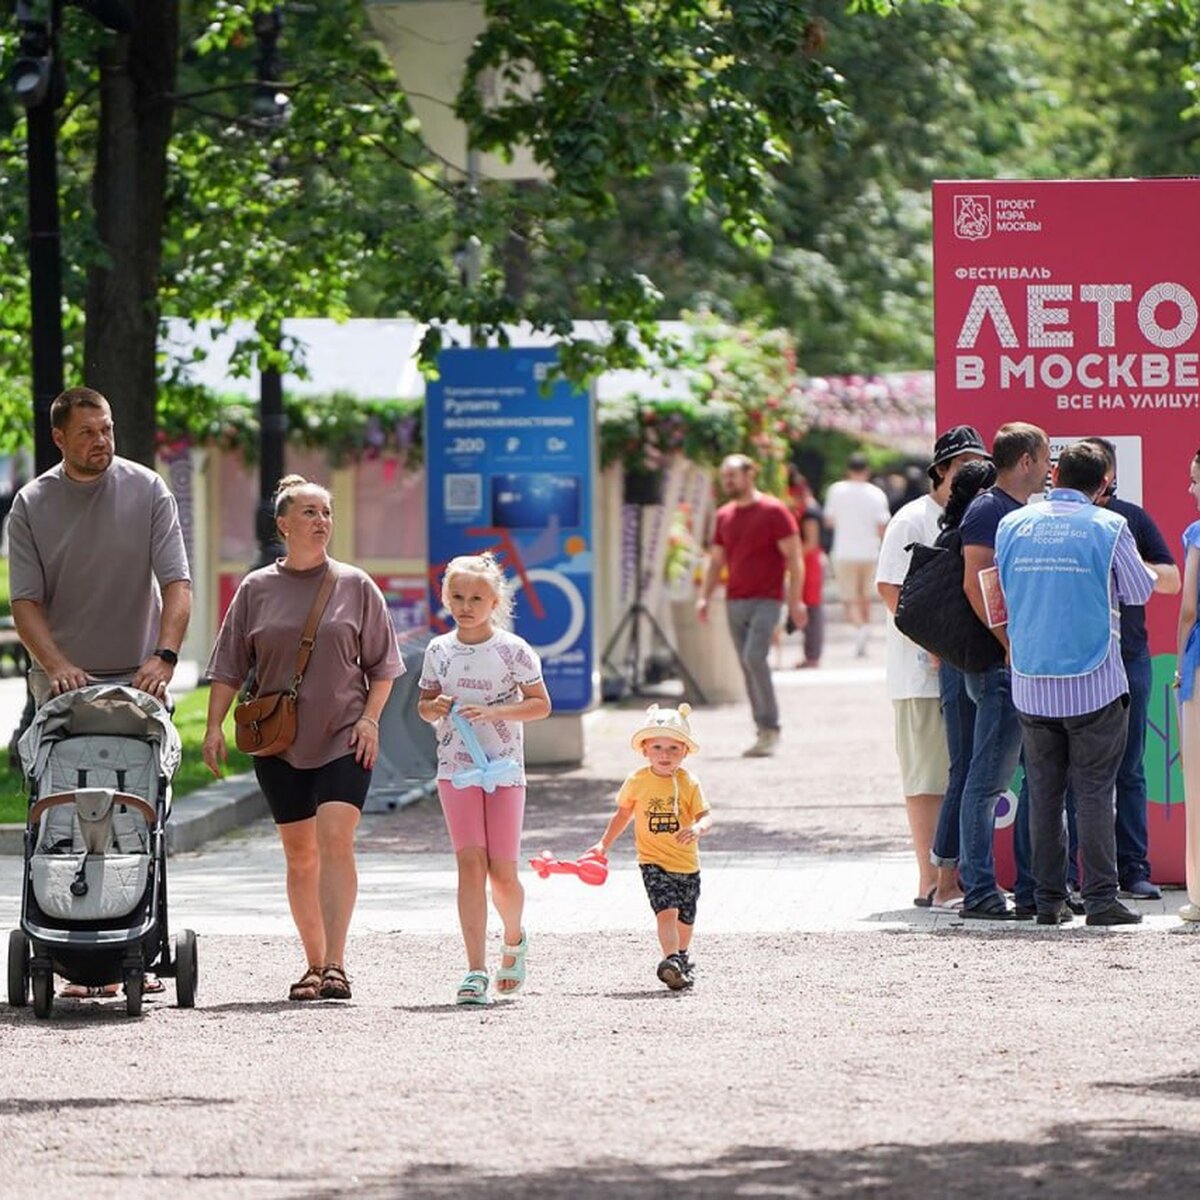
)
(934, 612)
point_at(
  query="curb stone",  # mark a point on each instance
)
(195, 819)
(215, 810)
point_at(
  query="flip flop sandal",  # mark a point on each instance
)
(308, 986)
(516, 973)
(79, 991)
(473, 989)
(335, 985)
(151, 985)
(925, 901)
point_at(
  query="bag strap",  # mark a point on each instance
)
(308, 637)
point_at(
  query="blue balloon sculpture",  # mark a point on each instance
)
(489, 775)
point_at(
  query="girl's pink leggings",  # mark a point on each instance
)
(478, 818)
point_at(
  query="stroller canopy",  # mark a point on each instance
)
(100, 709)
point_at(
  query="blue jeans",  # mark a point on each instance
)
(996, 749)
(1132, 837)
(958, 713)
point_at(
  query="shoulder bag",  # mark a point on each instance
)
(933, 610)
(266, 724)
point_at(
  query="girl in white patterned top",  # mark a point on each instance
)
(492, 679)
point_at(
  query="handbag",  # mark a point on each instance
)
(933, 610)
(266, 725)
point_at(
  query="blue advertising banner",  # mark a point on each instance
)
(509, 469)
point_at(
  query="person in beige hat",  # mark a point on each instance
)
(670, 815)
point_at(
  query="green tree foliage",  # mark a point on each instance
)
(1028, 88)
(178, 198)
(931, 90)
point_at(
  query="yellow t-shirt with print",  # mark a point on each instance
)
(662, 805)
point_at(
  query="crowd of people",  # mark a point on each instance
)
(1056, 590)
(1061, 586)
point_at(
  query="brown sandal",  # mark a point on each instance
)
(308, 986)
(334, 983)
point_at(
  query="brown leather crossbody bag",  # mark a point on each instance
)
(266, 724)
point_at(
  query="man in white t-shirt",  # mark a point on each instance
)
(912, 673)
(857, 512)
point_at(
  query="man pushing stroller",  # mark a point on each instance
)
(100, 585)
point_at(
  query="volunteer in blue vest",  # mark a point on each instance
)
(1065, 567)
(1021, 453)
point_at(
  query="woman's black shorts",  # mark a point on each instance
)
(293, 793)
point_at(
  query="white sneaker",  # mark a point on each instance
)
(861, 636)
(764, 744)
(1190, 912)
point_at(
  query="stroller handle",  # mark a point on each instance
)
(51, 801)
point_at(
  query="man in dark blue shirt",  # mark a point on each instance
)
(1021, 453)
(1133, 869)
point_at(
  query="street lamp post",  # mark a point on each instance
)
(270, 110)
(37, 81)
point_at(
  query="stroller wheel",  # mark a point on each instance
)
(133, 992)
(185, 969)
(43, 992)
(18, 969)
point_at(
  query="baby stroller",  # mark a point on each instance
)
(99, 762)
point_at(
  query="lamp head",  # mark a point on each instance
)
(29, 79)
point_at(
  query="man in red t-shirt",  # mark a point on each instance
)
(757, 542)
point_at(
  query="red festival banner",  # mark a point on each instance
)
(1073, 305)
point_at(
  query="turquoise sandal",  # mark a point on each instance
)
(473, 989)
(515, 973)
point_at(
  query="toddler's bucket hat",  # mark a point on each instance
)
(666, 722)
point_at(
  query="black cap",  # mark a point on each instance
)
(960, 439)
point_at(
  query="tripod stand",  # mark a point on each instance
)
(630, 673)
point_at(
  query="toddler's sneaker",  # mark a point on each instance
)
(672, 972)
(689, 968)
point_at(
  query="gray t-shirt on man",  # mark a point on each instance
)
(95, 556)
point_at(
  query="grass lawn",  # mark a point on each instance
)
(192, 774)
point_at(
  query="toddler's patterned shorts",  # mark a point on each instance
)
(670, 889)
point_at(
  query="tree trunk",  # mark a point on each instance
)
(137, 82)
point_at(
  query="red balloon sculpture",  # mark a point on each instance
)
(591, 868)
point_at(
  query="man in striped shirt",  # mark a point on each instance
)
(1065, 567)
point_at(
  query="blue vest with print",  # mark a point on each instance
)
(1056, 572)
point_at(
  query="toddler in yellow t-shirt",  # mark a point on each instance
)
(671, 815)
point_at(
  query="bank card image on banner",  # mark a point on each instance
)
(535, 501)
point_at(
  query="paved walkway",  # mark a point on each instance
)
(839, 1043)
(813, 840)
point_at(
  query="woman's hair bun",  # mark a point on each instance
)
(287, 483)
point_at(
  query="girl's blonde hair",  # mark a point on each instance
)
(288, 486)
(482, 566)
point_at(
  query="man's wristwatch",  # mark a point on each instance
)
(168, 656)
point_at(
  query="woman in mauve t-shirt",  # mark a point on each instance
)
(317, 786)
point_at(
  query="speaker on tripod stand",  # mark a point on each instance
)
(641, 490)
